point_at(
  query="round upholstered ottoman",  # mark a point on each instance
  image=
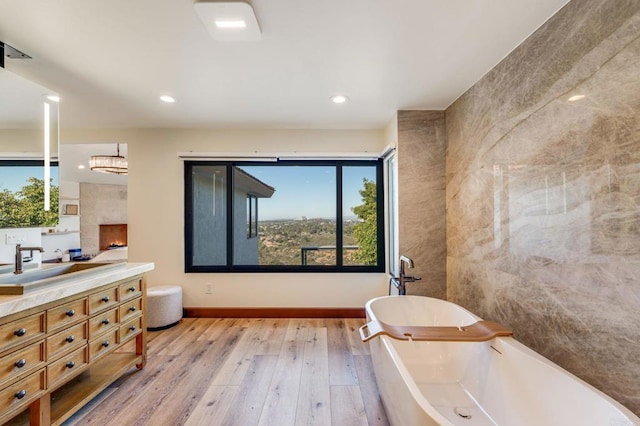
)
(164, 307)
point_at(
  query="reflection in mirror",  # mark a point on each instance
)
(28, 153)
(22, 194)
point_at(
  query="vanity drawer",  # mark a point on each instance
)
(22, 361)
(130, 329)
(67, 339)
(22, 330)
(130, 290)
(103, 344)
(103, 300)
(102, 323)
(68, 313)
(67, 366)
(21, 393)
(130, 310)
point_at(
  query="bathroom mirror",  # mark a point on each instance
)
(28, 153)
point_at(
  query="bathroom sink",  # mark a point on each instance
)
(10, 267)
(38, 278)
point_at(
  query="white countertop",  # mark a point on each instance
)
(72, 286)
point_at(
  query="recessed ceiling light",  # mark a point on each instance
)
(231, 24)
(339, 99)
(54, 98)
(81, 166)
(168, 99)
(576, 98)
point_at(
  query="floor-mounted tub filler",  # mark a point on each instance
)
(493, 382)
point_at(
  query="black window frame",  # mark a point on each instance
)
(230, 267)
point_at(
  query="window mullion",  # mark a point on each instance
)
(230, 193)
(380, 218)
(188, 222)
(339, 227)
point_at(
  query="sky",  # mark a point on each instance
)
(15, 177)
(309, 191)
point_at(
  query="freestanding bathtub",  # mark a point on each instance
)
(498, 382)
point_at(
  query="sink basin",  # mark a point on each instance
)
(10, 267)
(38, 278)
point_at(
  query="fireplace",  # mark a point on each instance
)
(112, 236)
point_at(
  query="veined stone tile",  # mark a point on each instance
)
(543, 194)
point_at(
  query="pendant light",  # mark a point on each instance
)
(114, 164)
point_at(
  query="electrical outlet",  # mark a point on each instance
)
(15, 238)
(207, 289)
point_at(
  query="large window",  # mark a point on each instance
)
(22, 194)
(284, 216)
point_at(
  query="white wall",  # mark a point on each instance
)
(391, 132)
(68, 235)
(156, 212)
(31, 238)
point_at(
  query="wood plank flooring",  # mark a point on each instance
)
(243, 372)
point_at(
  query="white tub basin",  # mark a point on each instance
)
(498, 382)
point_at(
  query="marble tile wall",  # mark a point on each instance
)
(100, 204)
(543, 194)
(421, 152)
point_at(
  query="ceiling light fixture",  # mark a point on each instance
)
(54, 98)
(231, 24)
(168, 99)
(81, 166)
(113, 164)
(228, 20)
(576, 98)
(339, 99)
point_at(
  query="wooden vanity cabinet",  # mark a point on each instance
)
(56, 357)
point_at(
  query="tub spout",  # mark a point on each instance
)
(405, 260)
(400, 281)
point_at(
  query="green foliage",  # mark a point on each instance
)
(366, 231)
(25, 208)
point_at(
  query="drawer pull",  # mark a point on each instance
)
(70, 313)
(132, 328)
(71, 364)
(132, 289)
(21, 394)
(70, 339)
(105, 343)
(105, 321)
(105, 299)
(132, 309)
(20, 332)
(21, 363)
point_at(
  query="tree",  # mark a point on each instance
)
(9, 208)
(25, 208)
(366, 231)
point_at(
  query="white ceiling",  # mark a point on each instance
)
(111, 60)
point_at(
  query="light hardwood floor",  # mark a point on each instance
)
(273, 372)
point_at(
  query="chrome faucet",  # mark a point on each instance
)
(19, 260)
(400, 281)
